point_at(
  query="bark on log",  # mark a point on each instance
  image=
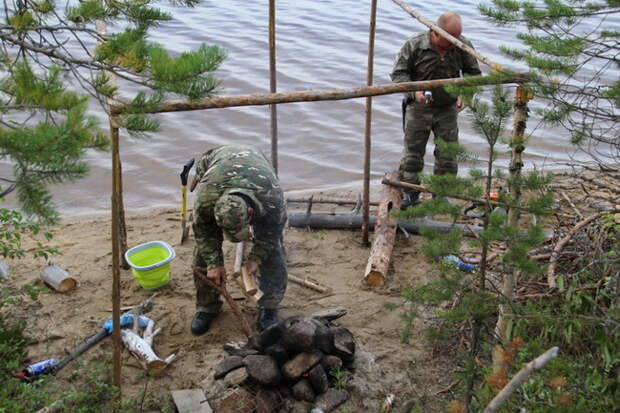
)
(321, 95)
(385, 235)
(58, 279)
(354, 222)
(142, 348)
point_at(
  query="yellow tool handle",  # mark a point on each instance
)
(184, 202)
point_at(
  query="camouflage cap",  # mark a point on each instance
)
(231, 215)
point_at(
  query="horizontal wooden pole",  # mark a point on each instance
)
(315, 95)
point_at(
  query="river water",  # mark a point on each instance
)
(320, 45)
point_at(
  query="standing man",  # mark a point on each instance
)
(239, 198)
(428, 56)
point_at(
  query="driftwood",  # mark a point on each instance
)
(520, 378)
(142, 347)
(58, 279)
(385, 235)
(308, 284)
(354, 222)
(202, 273)
(562, 243)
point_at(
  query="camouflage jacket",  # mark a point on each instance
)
(239, 170)
(418, 60)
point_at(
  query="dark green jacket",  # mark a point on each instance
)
(418, 60)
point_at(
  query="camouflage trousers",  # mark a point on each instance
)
(272, 281)
(420, 120)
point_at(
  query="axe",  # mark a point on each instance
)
(184, 173)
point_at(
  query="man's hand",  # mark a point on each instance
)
(252, 268)
(418, 96)
(460, 105)
(217, 275)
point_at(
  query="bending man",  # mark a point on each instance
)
(239, 198)
(428, 56)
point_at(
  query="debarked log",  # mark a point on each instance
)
(57, 278)
(354, 222)
(385, 235)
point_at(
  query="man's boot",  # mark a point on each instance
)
(410, 198)
(267, 317)
(201, 322)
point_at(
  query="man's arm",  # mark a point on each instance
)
(208, 236)
(267, 235)
(401, 70)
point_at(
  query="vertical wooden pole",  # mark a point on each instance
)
(371, 52)
(116, 276)
(272, 83)
(517, 145)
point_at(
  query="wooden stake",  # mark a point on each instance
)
(368, 123)
(385, 235)
(245, 327)
(116, 276)
(272, 84)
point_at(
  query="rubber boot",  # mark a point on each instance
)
(267, 317)
(410, 198)
(201, 322)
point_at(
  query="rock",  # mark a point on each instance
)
(364, 362)
(344, 346)
(323, 338)
(267, 401)
(329, 315)
(270, 336)
(213, 388)
(294, 368)
(318, 379)
(263, 369)
(331, 399)
(300, 407)
(302, 390)
(227, 365)
(254, 342)
(237, 400)
(278, 353)
(236, 377)
(299, 336)
(239, 348)
(330, 362)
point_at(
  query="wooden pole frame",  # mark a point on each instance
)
(316, 95)
(272, 84)
(368, 124)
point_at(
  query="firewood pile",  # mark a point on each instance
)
(289, 367)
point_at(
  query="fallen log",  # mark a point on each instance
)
(354, 222)
(58, 279)
(385, 235)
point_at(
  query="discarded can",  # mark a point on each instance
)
(462, 265)
(39, 368)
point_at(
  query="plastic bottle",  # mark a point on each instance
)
(39, 368)
(462, 265)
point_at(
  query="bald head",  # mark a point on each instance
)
(450, 21)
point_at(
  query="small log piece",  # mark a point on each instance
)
(58, 279)
(385, 235)
(141, 347)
